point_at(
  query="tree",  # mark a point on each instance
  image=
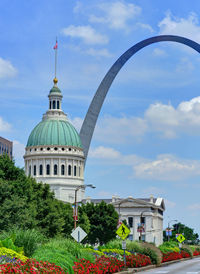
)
(188, 233)
(103, 222)
(28, 204)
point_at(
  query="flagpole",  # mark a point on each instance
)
(56, 48)
(55, 61)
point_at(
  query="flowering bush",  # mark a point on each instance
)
(115, 250)
(31, 266)
(6, 259)
(171, 256)
(196, 253)
(101, 266)
(12, 254)
(137, 260)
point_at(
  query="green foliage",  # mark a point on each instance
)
(62, 252)
(116, 243)
(169, 247)
(8, 170)
(28, 204)
(28, 239)
(134, 246)
(103, 222)
(187, 249)
(84, 222)
(188, 232)
(8, 242)
(12, 254)
(153, 252)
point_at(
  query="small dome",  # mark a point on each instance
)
(55, 89)
(54, 132)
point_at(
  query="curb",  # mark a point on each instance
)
(148, 267)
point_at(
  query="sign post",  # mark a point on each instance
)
(123, 231)
(180, 238)
(78, 234)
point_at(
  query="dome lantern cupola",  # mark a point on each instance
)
(55, 97)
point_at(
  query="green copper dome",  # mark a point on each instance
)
(54, 132)
(55, 90)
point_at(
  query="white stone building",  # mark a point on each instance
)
(149, 212)
(54, 154)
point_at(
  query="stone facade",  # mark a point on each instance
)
(137, 211)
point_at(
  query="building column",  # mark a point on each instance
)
(51, 167)
(59, 167)
(44, 167)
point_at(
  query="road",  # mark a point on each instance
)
(186, 267)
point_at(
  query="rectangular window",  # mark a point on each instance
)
(130, 221)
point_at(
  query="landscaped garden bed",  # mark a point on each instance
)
(66, 256)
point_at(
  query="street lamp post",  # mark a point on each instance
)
(169, 228)
(75, 202)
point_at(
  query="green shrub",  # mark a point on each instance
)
(12, 254)
(153, 252)
(117, 243)
(62, 252)
(188, 249)
(134, 246)
(29, 239)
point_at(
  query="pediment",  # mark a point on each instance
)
(131, 202)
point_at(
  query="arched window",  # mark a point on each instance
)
(34, 170)
(74, 170)
(58, 105)
(29, 173)
(55, 169)
(54, 104)
(48, 170)
(69, 170)
(49, 104)
(41, 169)
(62, 169)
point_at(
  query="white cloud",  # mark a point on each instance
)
(77, 123)
(116, 130)
(194, 207)
(165, 167)
(78, 7)
(116, 14)
(159, 52)
(152, 190)
(170, 121)
(88, 34)
(18, 152)
(145, 26)
(4, 126)
(165, 120)
(169, 204)
(7, 70)
(98, 52)
(104, 153)
(186, 27)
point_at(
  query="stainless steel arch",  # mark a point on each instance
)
(90, 120)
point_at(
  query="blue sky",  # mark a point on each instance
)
(147, 137)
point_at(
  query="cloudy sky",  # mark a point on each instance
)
(147, 137)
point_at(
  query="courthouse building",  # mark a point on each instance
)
(145, 213)
(54, 153)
